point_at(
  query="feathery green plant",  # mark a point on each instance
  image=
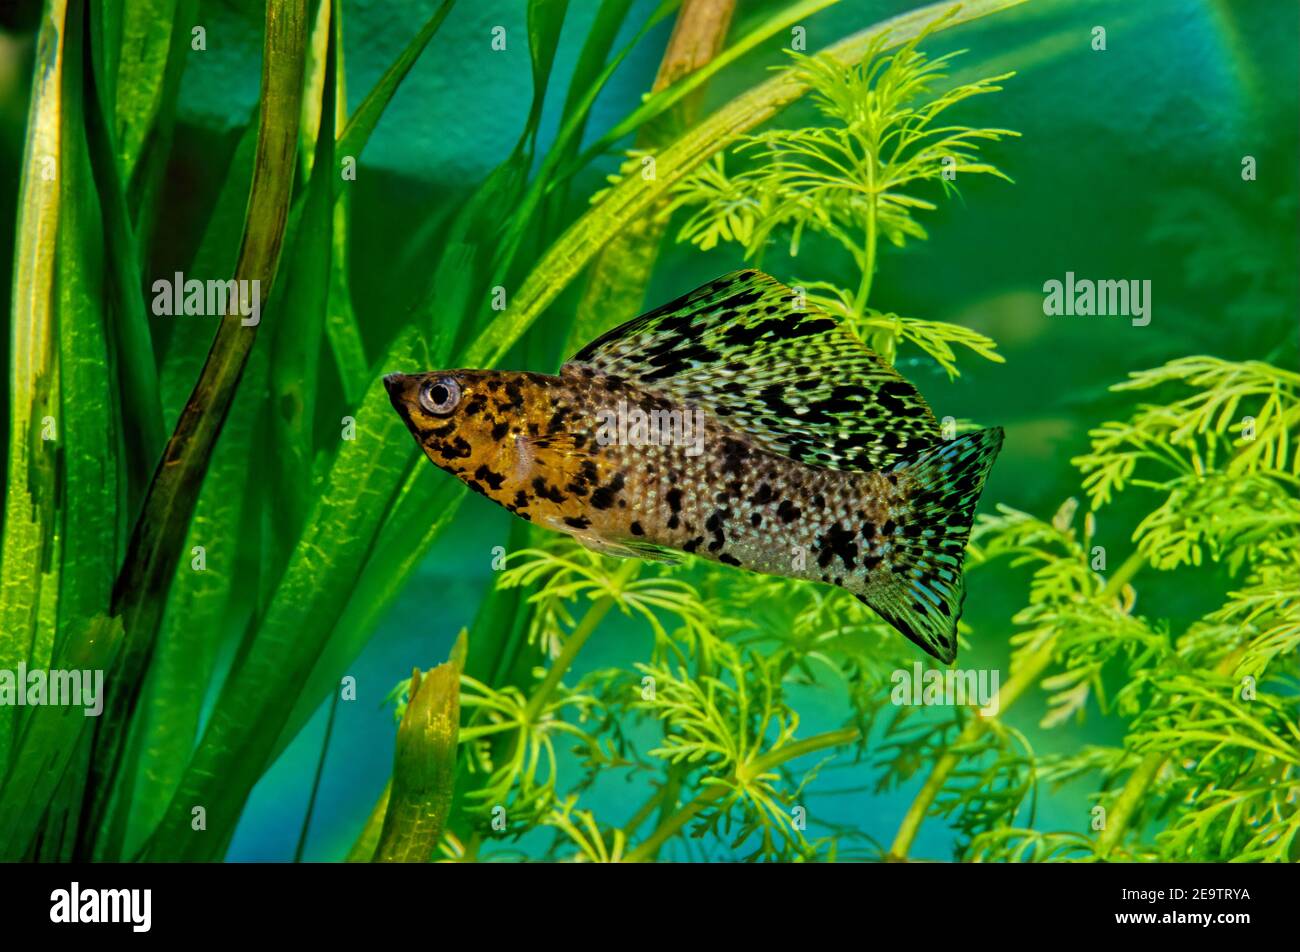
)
(858, 179)
(240, 612)
(1207, 765)
(298, 574)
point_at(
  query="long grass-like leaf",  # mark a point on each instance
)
(362, 123)
(424, 765)
(296, 338)
(49, 739)
(28, 570)
(154, 548)
(282, 646)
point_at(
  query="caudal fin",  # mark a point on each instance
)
(918, 587)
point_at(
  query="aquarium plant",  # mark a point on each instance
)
(218, 514)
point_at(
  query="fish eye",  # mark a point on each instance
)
(440, 396)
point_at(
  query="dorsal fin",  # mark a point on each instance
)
(791, 379)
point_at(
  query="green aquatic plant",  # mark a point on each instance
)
(229, 613)
(1206, 768)
(226, 575)
(859, 179)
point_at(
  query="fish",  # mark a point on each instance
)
(738, 423)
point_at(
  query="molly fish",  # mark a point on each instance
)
(736, 423)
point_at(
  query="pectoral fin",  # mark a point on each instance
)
(624, 548)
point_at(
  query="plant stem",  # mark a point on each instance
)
(1135, 787)
(1027, 674)
(315, 784)
(869, 245)
(573, 644)
(809, 745)
(673, 825)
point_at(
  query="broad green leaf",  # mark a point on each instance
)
(138, 372)
(49, 739)
(154, 547)
(203, 604)
(140, 85)
(425, 505)
(281, 647)
(424, 765)
(88, 422)
(28, 568)
(341, 325)
(296, 336)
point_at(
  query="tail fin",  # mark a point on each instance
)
(918, 588)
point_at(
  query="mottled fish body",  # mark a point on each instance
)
(732, 425)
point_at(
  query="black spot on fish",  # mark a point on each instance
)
(604, 497)
(500, 430)
(728, 559)
(734, 454)
(492, 479)
(787, 511)
(674, 499)
(636, 529)
(547, 492)
(578, 522)
(839, 541)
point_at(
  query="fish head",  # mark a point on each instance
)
(475, 424)
(449, 412)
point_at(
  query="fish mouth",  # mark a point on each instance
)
(397, 386)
